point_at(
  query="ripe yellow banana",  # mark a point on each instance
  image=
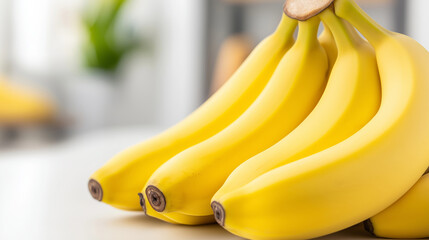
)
(327, 41)
(351, 99)
(19, 105)
(406, 218)
(187, 182)
(119, 180)
(357, 178)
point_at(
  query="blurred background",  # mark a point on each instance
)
(77, 66)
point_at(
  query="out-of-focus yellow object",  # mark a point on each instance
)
(19, 105)
(234, 50)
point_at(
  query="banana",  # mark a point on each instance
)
(357, 178)
(327, 41)
(351, 99)
(21, 105)
(119, 180)
(406, 218)
(187, 182)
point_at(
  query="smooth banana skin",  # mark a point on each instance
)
(406, 218)
(120, 179)
(187, 182)
(19, 105)
(327, 41)
(351, 99)
(357, 178)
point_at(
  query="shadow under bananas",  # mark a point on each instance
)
(356, 232)
(171, 231)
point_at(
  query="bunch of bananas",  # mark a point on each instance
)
(308, 137)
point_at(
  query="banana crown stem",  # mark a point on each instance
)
(353, 33)
(342, 34)
(350, 11)
(305, 9)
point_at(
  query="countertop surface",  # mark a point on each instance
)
(43, 195)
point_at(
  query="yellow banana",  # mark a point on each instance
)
(406, 218)
(19, 105)
(357, 178)
(351, 99)
(327, 41)
(119, 180)
(187, 182)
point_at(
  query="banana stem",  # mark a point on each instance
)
(326, 29)
(339, 30)
(308, 30)
(350, 11)
(353, 33)
(286, 27)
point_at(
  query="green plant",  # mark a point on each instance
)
(105, 45)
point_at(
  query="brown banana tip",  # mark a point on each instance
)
(156, 198)
(95, 189)
(142, 202)
(219, 213)
(369, 227)
(303, 10)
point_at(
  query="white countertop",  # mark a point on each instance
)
(43, 196)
